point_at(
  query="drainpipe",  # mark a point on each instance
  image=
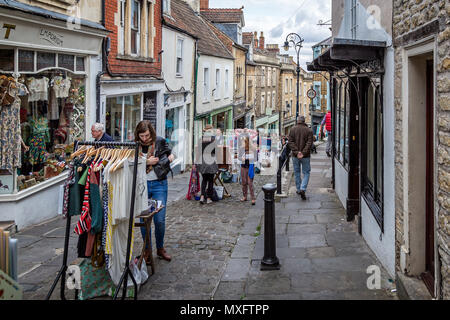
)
(195, 100)
(99, 75)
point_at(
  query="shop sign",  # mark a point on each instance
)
(51, 37)
(176, 99)
(8, 28)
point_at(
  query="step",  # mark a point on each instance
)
(8, 226)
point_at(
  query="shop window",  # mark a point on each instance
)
(7, 60)
(45, 60)
(26, 61)
(173, 132)
(51, 118)
(123, 113)
(80, 64)
(66, 61)
(372, 153)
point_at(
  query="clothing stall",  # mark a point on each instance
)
(106, 190)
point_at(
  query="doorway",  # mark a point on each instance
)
(428, 276)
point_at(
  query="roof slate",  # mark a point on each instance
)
(223, 15)
(184, 18)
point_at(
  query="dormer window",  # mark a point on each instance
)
(166, 7)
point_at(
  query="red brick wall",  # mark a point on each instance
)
(129, 66)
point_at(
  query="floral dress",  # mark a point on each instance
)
(39, 136)
(10, 134)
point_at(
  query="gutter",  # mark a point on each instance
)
(196, 55)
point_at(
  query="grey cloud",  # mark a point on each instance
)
(277, 31)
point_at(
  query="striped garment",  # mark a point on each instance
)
(84, 224)
(67, 184)
(105, 216)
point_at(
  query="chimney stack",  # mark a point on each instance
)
(273, 48)
(261, 41)
(204, 4)
(194, 4)
(255, 37)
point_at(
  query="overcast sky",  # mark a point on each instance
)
(278, 18)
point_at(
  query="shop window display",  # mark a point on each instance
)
(50, 107)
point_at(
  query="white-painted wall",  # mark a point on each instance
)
(370, 29)
(169, 60)
(226, 98)
(341, 182)
(176, 82)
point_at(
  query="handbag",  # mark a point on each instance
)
(162, 168)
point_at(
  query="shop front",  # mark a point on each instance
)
(176, 120)
(46, 71)
(126, 102)
(239, 116)
(222, 119)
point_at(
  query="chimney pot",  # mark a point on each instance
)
(204, 4)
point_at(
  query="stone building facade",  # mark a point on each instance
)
(421, 33)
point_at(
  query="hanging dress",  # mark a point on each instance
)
(10, 135)
(39, 137)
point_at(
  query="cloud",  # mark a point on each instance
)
(279, 18)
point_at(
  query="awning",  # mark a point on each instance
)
(345, 53)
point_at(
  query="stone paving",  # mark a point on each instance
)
(321, 255)
(217, 248)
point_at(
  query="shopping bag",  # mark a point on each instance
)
(219, 191)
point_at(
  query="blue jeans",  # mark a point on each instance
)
(157, 190)
(305, 164)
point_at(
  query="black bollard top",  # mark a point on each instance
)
(270, 187)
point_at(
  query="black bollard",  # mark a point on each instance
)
(270, 260)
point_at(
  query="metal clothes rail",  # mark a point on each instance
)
(123, 280)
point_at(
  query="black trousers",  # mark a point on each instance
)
(207, 185)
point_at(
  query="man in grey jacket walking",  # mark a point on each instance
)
(300, 142)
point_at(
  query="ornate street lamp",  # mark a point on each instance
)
(296, 41)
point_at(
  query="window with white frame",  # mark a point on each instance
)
(269, 76)
(263, 104)
(217, 89)
(274, 77)
(135, 27)
(206, 84)
(273, 99)
(226, 83)
(354, 22)
(121, 36)
(263, 77)
(179, 56)
(269, 100)
(166, 7)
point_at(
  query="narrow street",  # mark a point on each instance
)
(217, 249)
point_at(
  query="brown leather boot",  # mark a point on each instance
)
(163, 254)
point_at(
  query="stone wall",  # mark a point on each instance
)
(414, 20)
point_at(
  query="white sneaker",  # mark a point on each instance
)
(208, 201)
